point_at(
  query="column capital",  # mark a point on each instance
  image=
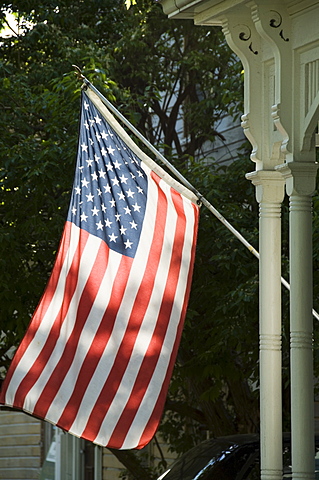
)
(300, 177)
(270, 185)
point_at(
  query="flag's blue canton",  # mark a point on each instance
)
(110, 188)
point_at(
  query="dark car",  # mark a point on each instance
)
(235, 457)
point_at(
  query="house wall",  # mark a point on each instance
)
(225, 151)
(111, 467)
(20, 446)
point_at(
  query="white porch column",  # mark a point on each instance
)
(269, 193)
(241, 34)
(300, 187)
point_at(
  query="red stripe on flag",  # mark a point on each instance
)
(136, 318)
(41, 308)
(152, 424)
(98, 345)
(85, 304)
(154, 349)
(35, 371)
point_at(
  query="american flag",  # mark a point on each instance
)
(98, 355)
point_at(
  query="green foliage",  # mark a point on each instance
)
(33, 196)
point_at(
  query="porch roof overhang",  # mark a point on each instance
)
(211, 12)
(199, 10)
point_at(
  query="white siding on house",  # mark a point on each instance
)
(20, 446)
(224, 152)
(111, 467)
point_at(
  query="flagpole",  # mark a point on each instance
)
(182, 179)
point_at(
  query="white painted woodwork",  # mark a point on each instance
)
(278, 44)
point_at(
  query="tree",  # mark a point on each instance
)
(158, 72)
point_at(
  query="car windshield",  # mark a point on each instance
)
(228, 458)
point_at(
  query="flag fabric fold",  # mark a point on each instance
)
(98, 355)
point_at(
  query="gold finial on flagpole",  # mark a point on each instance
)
(78, 72)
